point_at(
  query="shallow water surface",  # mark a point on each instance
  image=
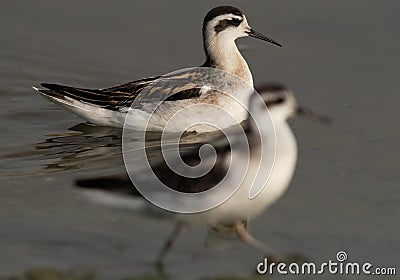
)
(340, 58)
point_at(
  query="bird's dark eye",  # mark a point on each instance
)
(235, 21)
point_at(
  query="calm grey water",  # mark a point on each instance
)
(340, 57)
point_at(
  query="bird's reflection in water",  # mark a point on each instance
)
(89, 147)
(83, 146)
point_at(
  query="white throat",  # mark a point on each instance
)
(224, 54)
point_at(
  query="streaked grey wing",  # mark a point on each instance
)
(122, 96)
(112, 98)
(131, 87)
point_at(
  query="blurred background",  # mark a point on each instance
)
(341, 58)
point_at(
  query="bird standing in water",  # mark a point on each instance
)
(109, 106)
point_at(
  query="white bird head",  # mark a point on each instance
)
(282, 104)
(229, 23)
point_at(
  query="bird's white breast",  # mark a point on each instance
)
(240, 206)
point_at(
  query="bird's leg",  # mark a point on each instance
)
(169, 243)
(244, 235)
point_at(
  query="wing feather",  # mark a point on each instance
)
(121, 96)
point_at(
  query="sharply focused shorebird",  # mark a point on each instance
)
(234, 213)
(109, 106)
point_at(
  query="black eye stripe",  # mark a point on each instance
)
(226, 23)
(276, 101)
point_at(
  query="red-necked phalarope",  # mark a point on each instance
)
(232, 215)
(109, 106)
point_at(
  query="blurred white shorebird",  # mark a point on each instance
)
(109, 106)
(233, 214)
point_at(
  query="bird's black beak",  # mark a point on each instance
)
(311, 115)
(257, 35)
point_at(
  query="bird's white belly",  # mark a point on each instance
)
(240, 206)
